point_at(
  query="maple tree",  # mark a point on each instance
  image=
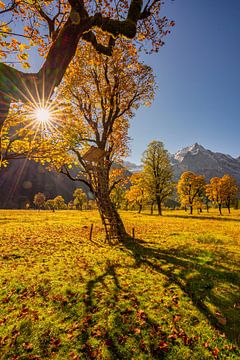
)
(190, 188)
(39, 200)
(50, 205)
(158, 173)
(99, 95)
(222, 191)
(67, 22)
(138, 194)
(59, 203)
(79, 198)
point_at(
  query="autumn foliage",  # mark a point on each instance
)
(222, 191)
(190, 189)
(56, 27)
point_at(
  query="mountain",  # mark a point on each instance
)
(205, 162)
(201, 161)
(22, 179)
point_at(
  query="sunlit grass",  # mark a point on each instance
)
(171, 293)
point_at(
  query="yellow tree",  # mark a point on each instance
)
(230, 190)
(79, 198)
(222, 191)
(158, 173)
(138, 193)
(118, 179)
(190, 188)
(100, 95)
(23, 136)
(23, 24)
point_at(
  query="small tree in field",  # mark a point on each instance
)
(222, 191)
(190, 189)
(138, 194)
(59, 203)
(230, 189)
(158, 173)
(39, 200)
(79, 198)
(50, 205)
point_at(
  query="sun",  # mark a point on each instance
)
(43, 115)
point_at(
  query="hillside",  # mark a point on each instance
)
(22, 179)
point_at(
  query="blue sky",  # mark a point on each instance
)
(198, 76)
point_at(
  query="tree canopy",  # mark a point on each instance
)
(56, 27)
(158, 173)
(190, 189)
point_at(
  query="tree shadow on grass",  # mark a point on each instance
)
(113, 317)
(199, 279)
(128, 321)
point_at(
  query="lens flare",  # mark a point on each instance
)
(43, 115)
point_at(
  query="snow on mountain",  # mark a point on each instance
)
(195, 149)
(201, 161)
(205, 162)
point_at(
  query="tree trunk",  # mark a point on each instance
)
(220, 208)
(191, 209)
(115, 230)
(140, 208)
(159, 206)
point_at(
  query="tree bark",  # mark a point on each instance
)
(114, 227)
(220, 208)
(140, 208)
(228, 207)
(191, 209)
(159, 205)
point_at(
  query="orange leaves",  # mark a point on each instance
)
(191, 188)
(222, 190)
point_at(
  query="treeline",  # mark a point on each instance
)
(79, 201)
(154, 187)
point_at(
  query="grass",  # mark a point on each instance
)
(170, 293)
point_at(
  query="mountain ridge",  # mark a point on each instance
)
(203, 161)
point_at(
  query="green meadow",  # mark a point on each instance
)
(171, 292)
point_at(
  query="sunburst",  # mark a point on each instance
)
(43, 115)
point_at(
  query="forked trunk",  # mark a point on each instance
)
(115, 230)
